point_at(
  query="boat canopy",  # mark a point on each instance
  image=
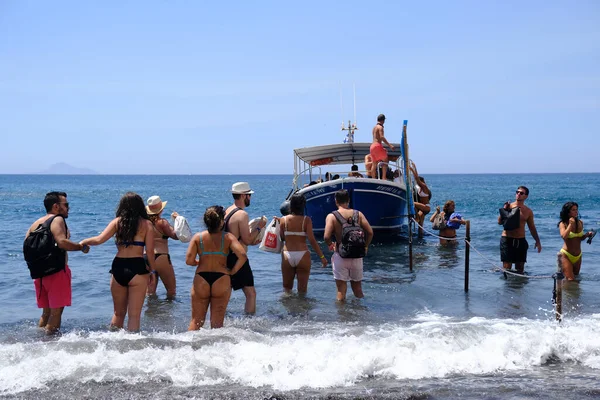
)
(343, 153)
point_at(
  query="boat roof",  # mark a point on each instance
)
(342, 153)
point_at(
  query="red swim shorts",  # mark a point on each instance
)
(54, 291)
(378, 153)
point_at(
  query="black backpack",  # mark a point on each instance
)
(42, 254)
(353, 237)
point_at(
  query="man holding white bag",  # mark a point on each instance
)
(236, 223)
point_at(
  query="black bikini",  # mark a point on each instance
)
(156, 255)
(125, 269)
(211, 277)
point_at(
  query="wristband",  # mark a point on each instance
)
(322, 256)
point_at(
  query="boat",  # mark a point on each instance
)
(383, 202)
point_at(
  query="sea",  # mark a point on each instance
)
(415, 335)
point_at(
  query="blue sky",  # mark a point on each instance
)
(192, 87)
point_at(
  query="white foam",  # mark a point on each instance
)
(315, 355)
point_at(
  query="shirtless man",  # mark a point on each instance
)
(513, 245)
(378, 152)
(345, 269)
(236, 223)
(53, 291)
(369, 165)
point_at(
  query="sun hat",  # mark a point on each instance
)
(241, 188)
(155, 205)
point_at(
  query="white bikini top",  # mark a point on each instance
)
(420, 191)
(289, 233)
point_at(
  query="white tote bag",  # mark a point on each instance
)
(271, 242)
(254, 224)
(182, 229)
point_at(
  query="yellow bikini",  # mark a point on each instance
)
(573, 259)
(570, 256)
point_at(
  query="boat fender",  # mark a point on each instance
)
(285, 208)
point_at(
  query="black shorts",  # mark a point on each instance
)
(243, 277)
(513, 250)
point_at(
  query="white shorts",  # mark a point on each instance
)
(347, 269)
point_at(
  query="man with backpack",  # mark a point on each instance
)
(45, 250)
(353, 235)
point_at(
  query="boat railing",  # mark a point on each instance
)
(398, 167)
(302, 173)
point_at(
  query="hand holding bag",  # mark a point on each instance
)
(439, 222)
(182, 229)
(272, 241)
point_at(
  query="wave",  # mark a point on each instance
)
(302, 354)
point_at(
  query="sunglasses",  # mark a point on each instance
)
(521, 193)
(66, 204)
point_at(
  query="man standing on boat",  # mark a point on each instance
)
(377, 151)
(236, 223)
(513, 245)
(345, 266)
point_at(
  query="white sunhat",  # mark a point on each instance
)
(241, 188)
(155, 205)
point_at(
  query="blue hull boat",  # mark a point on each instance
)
(382, 201)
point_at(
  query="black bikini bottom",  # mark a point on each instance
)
(156, 255)
(211, 277)
(124, 269)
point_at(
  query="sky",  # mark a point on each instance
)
(198, 87)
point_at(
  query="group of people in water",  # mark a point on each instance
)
(219, 254)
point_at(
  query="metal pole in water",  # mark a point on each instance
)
(558, 280)
(410, 245)
(467, 254)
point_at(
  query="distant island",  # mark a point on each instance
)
(66, 169)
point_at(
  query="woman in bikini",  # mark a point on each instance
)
(130, 274)
(453, 222)
(423, 195)
(571, 230)
(295, 257)
(212, 280)
(162, 231)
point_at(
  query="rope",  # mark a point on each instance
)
(507, 271)
(496, 268)
(433, 234)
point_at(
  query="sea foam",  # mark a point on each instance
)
(302, 355)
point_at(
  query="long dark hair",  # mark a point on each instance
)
(131, 208)
(564, 214)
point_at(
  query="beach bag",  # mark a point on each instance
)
(254, 224)
(439, 222)
(182, 229)
(510, 219)
(42, 254)
(353, 237)
(271, 242)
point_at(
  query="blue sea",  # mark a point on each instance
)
(415, 335)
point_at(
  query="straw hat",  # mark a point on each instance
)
(155, 205)
(241, 188)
